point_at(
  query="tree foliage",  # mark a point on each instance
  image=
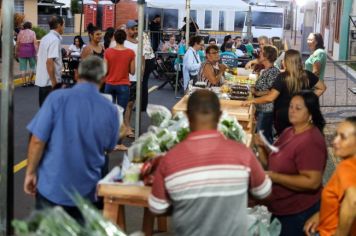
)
(75, 7)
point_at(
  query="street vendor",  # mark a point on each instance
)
(211, 71)
(206, 187)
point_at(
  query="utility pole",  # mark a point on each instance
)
(115, 5)
(7, 121)
(81, 18)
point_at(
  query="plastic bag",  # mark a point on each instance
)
(159, 115)
(166, 139)
(231, 128)
(145, 147)
(259, 221)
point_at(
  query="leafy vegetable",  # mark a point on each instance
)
(56, 222)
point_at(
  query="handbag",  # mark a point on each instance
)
(194, 78)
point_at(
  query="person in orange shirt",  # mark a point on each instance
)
(338, 201)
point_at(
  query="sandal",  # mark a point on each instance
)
(120, 147)
(130, 135)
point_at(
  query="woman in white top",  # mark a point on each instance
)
(76, 48)
(191, 60)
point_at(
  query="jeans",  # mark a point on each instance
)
(43, 203)
(120, 94)
(264, 122)
(43, 92)
(149, 67)
(292, 225)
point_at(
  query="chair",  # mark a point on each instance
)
(166, 70)
(69, 65)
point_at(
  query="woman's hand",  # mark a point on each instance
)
(310, 227)
(222, 67)
(247, 103)
(257, 141)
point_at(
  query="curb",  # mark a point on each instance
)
(18, 81)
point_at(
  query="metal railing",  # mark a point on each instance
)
(340, 80)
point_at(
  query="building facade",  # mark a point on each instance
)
(29, 9)
(332, 20)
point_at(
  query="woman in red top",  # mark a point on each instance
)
(337, 214)
(296, 169)
(120, 62)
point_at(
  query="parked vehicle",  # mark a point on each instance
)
(266, 20)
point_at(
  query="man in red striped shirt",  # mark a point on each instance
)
(205, 179)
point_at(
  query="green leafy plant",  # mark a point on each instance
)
(74, 7)
(40, 32)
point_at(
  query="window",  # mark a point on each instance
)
(239, 20)
(267, 19)
(151, 12)
(337, 21)
(208, 17)
(193, 15)
(19, 6)
(221, 20)
(170, 18)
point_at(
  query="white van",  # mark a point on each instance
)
(266, 20)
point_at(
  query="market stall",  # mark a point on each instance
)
(244, 114)
(130, 184)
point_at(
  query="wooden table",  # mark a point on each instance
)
(244, 114)
(117, 196)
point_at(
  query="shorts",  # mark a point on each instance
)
(132, 92)
(23, 63)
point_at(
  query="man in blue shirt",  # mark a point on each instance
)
(228, 57)
(70, 135)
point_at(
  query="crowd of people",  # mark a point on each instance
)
(205, 188)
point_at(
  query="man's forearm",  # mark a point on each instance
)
(34, 156)
(51, 71)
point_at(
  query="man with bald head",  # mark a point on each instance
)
(204, 180)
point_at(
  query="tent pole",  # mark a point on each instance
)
(139, 71)
(7, 120)
(187, 23)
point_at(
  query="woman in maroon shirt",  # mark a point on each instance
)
(296, 169)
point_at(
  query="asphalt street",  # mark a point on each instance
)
(26, 106)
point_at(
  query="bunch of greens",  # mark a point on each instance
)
(231, 128)
(159, 115)
(56, 222)
(167, 132)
